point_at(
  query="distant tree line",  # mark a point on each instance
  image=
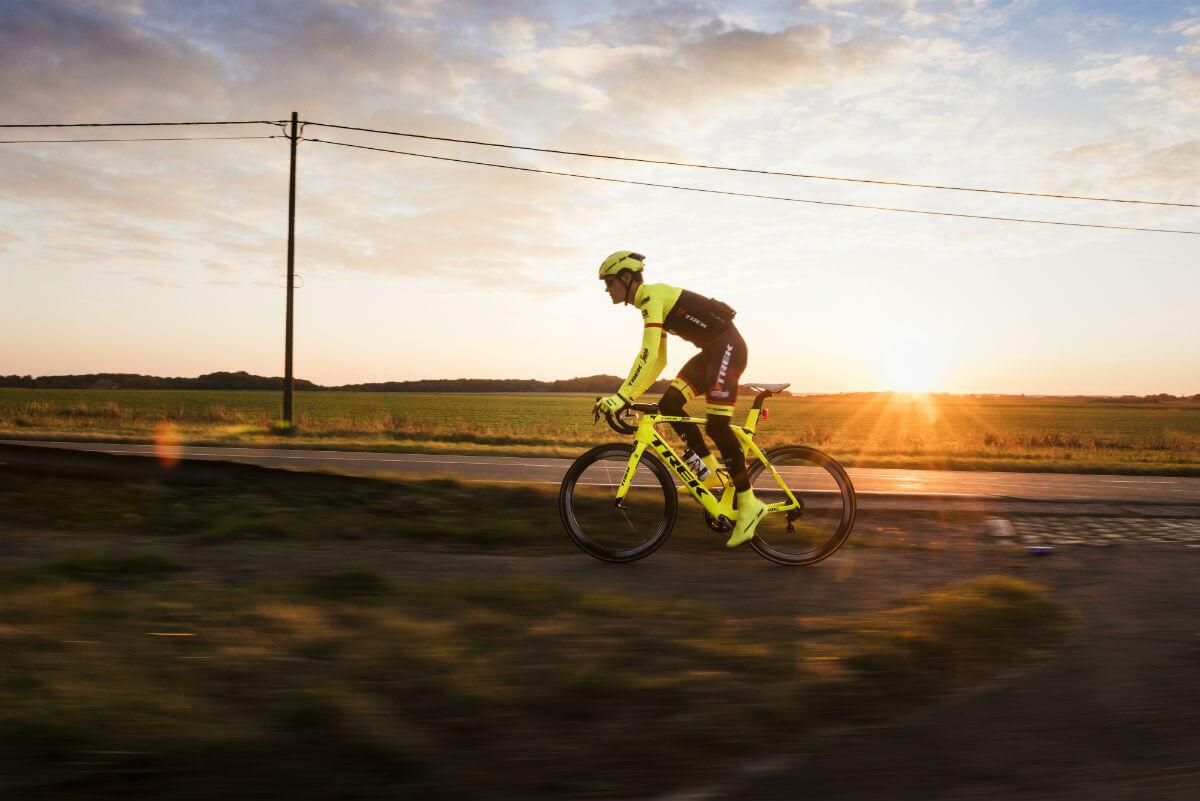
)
(238, 380)
(591, 383)
(1161, 397)
(244, 380)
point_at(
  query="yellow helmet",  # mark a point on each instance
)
(622, 260)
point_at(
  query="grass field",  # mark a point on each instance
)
(275, 633)
(879, 430)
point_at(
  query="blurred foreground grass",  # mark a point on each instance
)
(262, 505)
(136, 665)
(347, 685)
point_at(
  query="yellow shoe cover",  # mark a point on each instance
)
(750, 511)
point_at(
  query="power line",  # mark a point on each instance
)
(140, 124)
(143, 139)
(759, 196)
(611, 157)
(609, 180)
(753, 171)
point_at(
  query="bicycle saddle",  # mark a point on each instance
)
(772, 388)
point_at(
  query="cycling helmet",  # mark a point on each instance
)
(621, 260)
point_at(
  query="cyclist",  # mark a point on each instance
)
(715, 370)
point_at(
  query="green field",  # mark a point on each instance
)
(879, 430)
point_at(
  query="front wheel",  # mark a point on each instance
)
(601, 527)
(823, 516)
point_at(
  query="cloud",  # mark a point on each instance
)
(516, 34)
(717, 69)
(159, 281)
(1135, 165)
(252, 59)
(678, 80)
(914, 14)
(1122, 69)
(1189, 27)
(92, 62)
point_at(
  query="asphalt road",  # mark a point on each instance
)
(943, 485)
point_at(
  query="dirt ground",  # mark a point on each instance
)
(1113, 716)
(1116, 715)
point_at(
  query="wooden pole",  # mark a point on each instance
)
(291, 279)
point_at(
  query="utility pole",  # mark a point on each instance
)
(291, 279)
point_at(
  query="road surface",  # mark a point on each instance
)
(942, 484)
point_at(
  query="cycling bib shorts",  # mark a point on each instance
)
(715, 372)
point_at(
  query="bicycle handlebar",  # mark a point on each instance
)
(622, 422)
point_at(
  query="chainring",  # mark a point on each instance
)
(721, 525)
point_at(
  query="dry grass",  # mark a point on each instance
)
(514, 688)
(883, 430)
(181, 641)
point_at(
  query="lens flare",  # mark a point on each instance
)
(166, 445)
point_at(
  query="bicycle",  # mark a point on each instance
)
(618, 501)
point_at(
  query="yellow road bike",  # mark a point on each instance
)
(619, 501)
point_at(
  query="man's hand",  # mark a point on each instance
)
(610, 405)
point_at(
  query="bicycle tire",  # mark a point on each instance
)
(812, 459)
(569, 506)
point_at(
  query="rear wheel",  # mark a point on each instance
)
(822, 521)
(593, 520)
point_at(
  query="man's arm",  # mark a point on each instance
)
(652, 357)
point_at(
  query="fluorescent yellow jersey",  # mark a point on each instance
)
(670, 310)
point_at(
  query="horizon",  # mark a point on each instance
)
(160, 257)
(616, 378)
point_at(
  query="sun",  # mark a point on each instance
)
(909, 365)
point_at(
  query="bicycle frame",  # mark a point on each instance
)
(647, 437)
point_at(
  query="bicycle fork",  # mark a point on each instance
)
(627, 479)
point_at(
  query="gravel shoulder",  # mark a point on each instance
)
(1115, 716)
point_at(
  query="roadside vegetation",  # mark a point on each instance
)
(190, 639)
(868, 430)
(252, 505)
(137, 685)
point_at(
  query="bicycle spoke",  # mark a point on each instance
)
(821, 521)
(594, 519)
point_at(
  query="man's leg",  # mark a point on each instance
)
(681, 391)
(672, 403)
(724, 362)
(719, 431)
(727, 360)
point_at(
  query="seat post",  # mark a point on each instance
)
(762, 396)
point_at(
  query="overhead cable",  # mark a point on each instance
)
(754, 195)
(143, 139)
(753, 171)
(140, 124)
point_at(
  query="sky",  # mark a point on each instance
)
(169, 258)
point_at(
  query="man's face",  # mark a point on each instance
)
(616, 290)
